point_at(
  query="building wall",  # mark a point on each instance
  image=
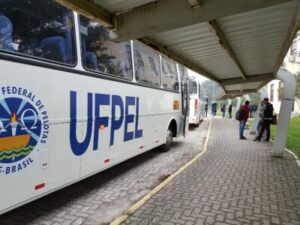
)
(273, 94)
(291, 63)
(273, 87)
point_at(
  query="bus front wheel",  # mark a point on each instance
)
(169, 139)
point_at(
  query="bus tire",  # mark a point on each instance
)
(199, 121)
(169, 139)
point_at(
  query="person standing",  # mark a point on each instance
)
(261, 116)
(230, 111)
(214, 109)
(206, 108)
(223, 109)
(266, 122)
(253, 109)
(243, 118)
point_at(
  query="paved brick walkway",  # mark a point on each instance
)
(97, 200)
(234, 182)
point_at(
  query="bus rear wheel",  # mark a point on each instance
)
(169, 139)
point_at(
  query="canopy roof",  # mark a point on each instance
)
(239, 43)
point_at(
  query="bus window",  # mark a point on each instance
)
(183, 74)
(102, 55)
(39, 28)
(169, 74)
(193, 87)
(146, 65)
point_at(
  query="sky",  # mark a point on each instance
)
(199, 76)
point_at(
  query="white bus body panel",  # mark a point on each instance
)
(195, 112)
(197, 101)
(54, 165)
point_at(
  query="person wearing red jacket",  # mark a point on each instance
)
(244, 117)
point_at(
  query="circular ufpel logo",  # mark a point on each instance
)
(23, 127)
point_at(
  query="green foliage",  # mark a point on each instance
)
(42, 20)
(212, 89)
(243, 99)
(255, 98)
(293, 139)
(234, 102)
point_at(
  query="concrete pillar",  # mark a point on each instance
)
(263, 94)
(247, 97)
(238, 103)
(227, 107)
(255, 120)
(285, 110)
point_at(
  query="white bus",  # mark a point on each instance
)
(197, 101)
(73, 103)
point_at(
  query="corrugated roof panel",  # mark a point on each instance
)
(116, 6)
(253, 85)
(257, 37)
(245, 86)
(233, 87)
(200, 46)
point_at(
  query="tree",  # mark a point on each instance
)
(255, 98)
(35, 19)
(234, 102)
(212, 89)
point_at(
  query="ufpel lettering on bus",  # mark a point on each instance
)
(94, 103)
(24, 128)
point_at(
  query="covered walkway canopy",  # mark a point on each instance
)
(239, 43)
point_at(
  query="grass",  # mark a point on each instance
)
(250, 122)
(219, 113)
(293, 140)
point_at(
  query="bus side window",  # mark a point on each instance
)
(192, 87)
(146, 65)
(38, 28)
(169, 74)
(183, 74)
(101, 55)
(6, 29)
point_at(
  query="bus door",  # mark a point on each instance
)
(184, 97)
(184, 106)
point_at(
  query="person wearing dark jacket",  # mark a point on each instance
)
(214, 109)
(230, 111)
(266, 121)
(223, 109)
(243, 119)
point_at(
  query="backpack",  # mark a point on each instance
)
(268, 113)
(238, 114)
(253, 108)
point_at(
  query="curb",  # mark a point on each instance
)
(142, 201)
(292, 153)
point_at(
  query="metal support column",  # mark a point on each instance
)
(285, 110)
(227, 107)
